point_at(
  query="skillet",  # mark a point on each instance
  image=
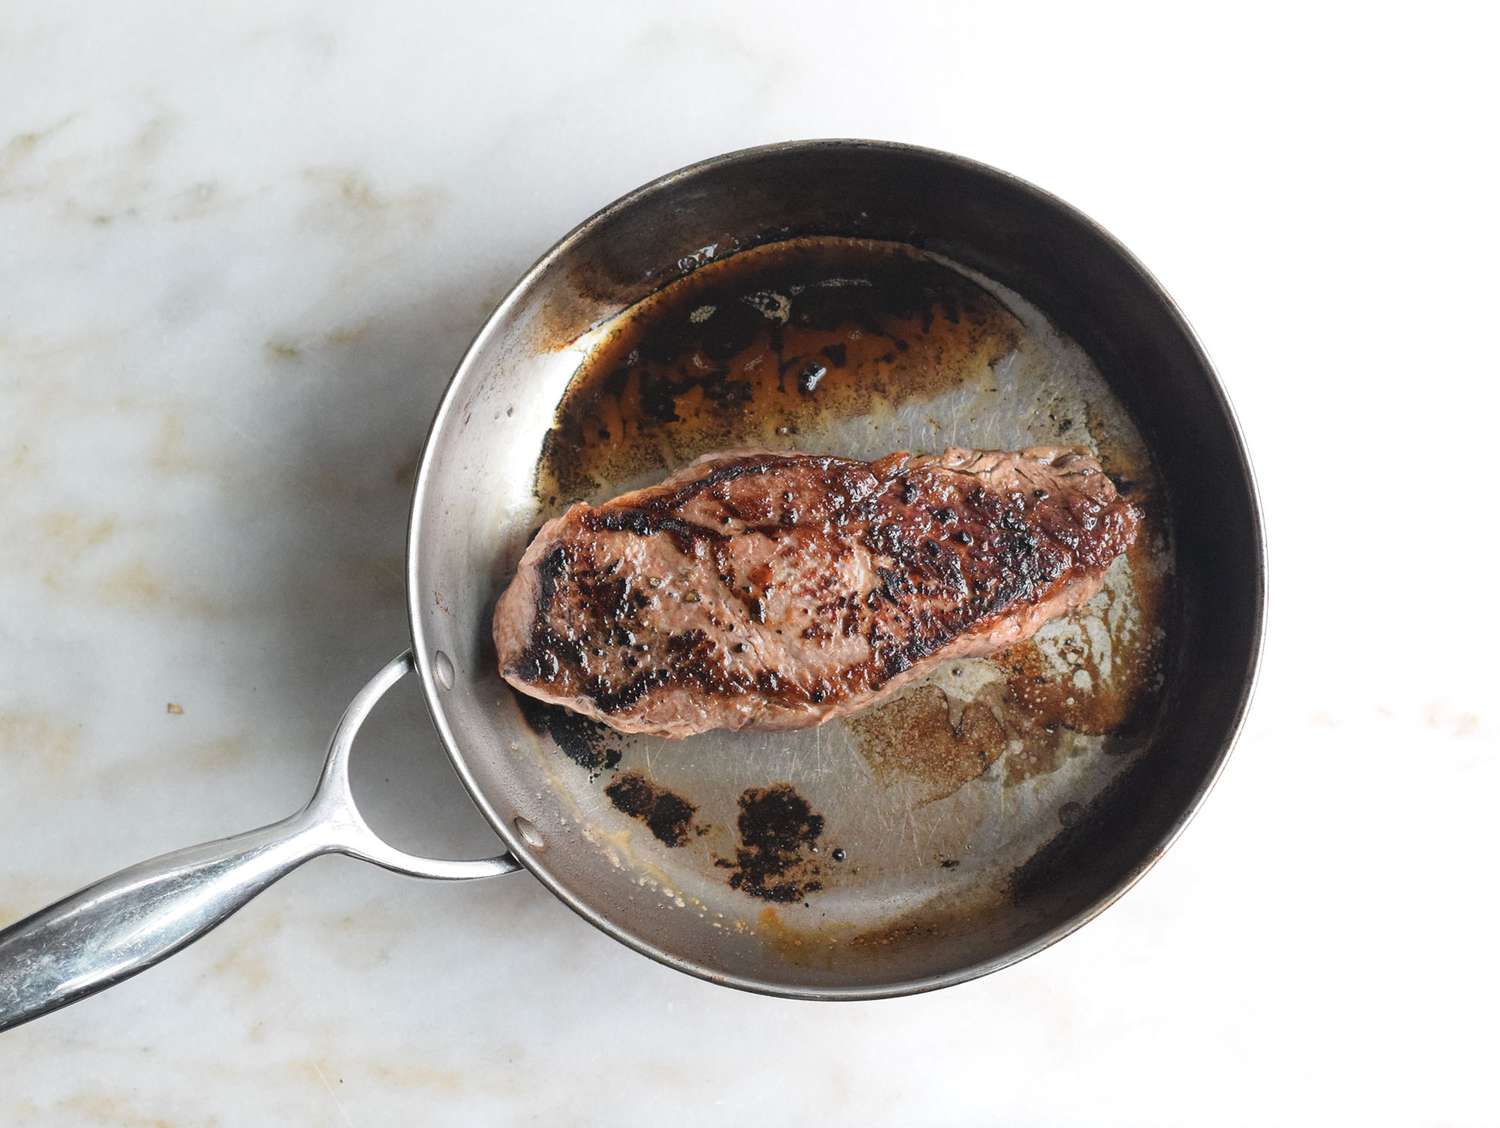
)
(900, 298)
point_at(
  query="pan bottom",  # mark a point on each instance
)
(906, 826)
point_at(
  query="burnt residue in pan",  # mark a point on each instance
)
(778, 830)
(587, 743)
(1101, 673)
(832, 943)
(746, 350)
(667, 815)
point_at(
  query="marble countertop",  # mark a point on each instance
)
(241, 253)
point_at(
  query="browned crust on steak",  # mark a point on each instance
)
(761, 590)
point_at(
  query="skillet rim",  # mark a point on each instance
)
(894, 989)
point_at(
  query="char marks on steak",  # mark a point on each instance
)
(760, 590)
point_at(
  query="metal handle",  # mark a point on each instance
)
(139, 916)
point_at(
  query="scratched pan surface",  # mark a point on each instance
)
(857, 299)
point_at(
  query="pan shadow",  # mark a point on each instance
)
(339, 614)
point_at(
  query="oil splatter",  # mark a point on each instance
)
(776, 825)
(667, 815)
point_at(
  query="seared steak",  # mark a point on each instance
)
(756, 590)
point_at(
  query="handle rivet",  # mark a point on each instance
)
(443, 669)
(528, 831)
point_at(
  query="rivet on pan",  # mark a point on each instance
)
(529, 832)
(443, 669)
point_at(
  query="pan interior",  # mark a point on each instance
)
(889, 839)
(852, 298)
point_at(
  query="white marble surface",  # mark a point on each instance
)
(241, 249)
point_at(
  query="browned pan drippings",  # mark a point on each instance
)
(757, 349)
(841, 346)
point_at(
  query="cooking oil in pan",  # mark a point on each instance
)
(910, 817)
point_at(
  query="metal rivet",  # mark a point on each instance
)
(529, 832)
(443, 669)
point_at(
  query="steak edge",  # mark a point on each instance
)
(776, 591)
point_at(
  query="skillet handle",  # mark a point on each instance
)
(132, 919)
(127, 922)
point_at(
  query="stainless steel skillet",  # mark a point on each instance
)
(895, 854)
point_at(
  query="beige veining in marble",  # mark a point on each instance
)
(241, 252)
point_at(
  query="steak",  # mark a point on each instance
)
(778, 591)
